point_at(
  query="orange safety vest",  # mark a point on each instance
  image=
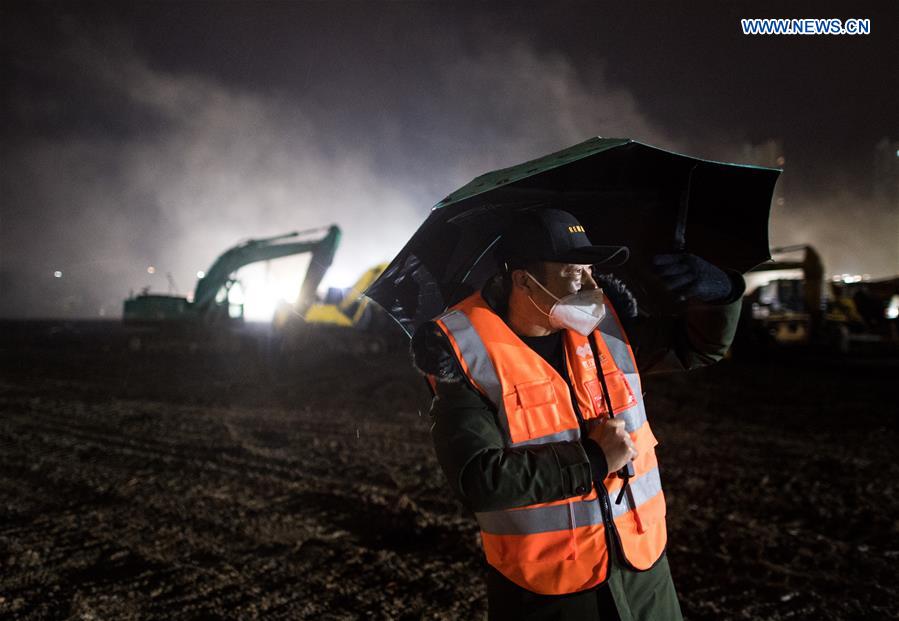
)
(561, 546)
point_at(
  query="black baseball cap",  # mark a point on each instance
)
(555, 235)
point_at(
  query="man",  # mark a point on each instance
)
(539, 423)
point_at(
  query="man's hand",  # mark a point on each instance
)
(688, 276)
(615, 442)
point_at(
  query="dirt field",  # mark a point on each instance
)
(188, 485)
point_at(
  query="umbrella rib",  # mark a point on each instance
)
(477, 261)
(680, 231)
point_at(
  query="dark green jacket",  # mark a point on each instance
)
(487, 476)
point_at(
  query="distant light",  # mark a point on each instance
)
(151, 270)
(848, 278)
(57, 274)
(201, 274)
(897, 152)
(781, 161)
(892, 311)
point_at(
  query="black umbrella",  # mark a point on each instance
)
(622, 191)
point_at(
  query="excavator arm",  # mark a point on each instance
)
(349, 311)
(221, 272)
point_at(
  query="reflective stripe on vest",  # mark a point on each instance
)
(642, 489)
(612, 334)
(562, 517)
(480, 367)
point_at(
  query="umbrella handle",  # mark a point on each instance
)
(680, 227)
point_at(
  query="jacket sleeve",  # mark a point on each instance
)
(699, 337)
(487, 475)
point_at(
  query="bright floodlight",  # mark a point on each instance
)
(201, 274)
(268, 284)
(151, 270)
(57, 274)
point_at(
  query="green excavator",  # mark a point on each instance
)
(210, 304)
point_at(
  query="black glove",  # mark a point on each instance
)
(688, 276)
(432, 354)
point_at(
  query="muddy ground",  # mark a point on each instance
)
(179, 484)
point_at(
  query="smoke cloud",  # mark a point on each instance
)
(131, 164)
(853, 234)
(179, 167)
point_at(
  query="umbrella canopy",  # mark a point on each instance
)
(623, 192)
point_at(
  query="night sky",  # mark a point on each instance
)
(162, 133)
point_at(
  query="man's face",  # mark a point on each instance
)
(530, 304)
(562, 279)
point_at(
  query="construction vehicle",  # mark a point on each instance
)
(788, 302)
(346, 308)
(211, 305)
(345, 318)
(875, 303)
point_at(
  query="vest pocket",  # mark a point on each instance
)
(620, 393)
(533, 410)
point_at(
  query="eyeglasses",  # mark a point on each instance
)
(577, 271)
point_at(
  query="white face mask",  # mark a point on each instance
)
(581, 311)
